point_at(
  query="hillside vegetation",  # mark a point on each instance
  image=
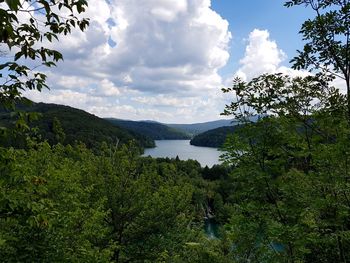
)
(213, 138)
(154, 130)
(75, 125)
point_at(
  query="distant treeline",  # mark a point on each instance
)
(213, 138)
(154, 130)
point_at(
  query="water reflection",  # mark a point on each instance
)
(183, 149)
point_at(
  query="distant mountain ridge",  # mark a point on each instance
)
(197, 128)
(165, 131)
(152, 129)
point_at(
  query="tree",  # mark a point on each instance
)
(51, 209)
(290, 201)
(24, 26)
(58, 131)
(290, 198)
(327, 39)
(150, 210)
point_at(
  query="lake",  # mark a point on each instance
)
(182, 148)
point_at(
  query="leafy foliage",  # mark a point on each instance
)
(327, 39)
(64, 204)
(24, 25)
(49, 210)
(289, 202)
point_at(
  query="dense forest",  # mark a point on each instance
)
(74, 125)
(213, 138)
(281, 195)
(63, 203)
(153, 130)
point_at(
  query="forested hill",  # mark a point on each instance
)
(154, 130)
(76, 125)
(213, 138)
(197, 128)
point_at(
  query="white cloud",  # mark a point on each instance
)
(176, 41)
(107, 88)
(164, 65)
(72, 82)
(130, 112)
(167, 54)
(168, 10)
(262, 55)
(167, 41)
(65, 97)
(169, 101)
(340, 84)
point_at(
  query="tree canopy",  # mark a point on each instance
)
(290, 191)
(327, 38)
(25, 27)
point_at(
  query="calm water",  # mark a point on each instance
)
(183, 149)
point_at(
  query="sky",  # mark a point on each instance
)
(167, 60)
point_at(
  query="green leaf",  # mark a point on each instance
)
(18, 55)
(2, 66)
(14, 4)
